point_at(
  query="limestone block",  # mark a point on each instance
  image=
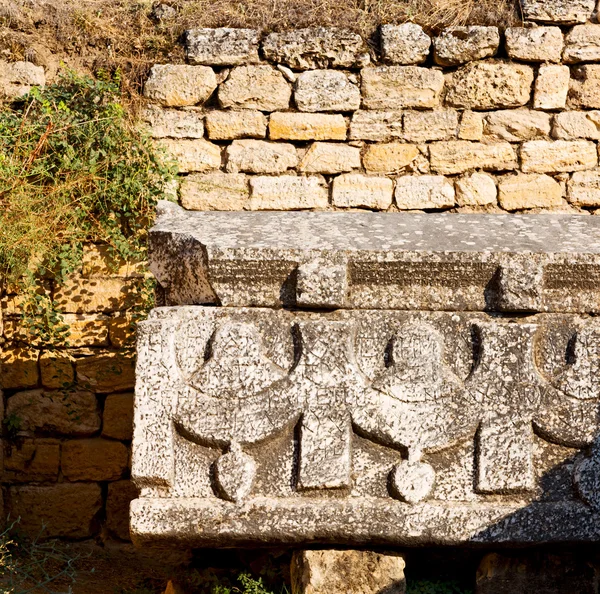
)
(288, 192)
(117, 419)
(18, 367)
(585, 87)
(459, 156)
(93, 460)
(423, 126)
(174, 123)
(534, 44)
(318, 47)
(477, 189)
(584, 188)
(330, 157)
(193, 155)
(221, 47)
(380, 126)
(541, 156)
(326, 90)
(176, 85)
(120, 495)
(67, 413)
(490, 85)
(121, 329)
(259, 156)
(522, 191)
(458, 45)
(56, 369)
(565, 12)
(18, 78)
(354, 190)
(307, 126)
(515, 125)
(471, 126)
(229, 125)
(63, 510)
(551, 87)
(415, 192)
(571, 125)
(106, 371)
(215, 191)
(364, 572)
(404, 44)
(32, 460)
(255, 87)
(389, 158)
(582, 44)
(100, 260)
(399, 87)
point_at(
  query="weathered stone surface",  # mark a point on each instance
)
(87, 329)
(522, 191)
(404, 44)
(584, 188)
(307, 126)
(477, 189)
(534, 44)
(18, 78)
(259, 156)
(582, 44)
(399, 87)
(514, 125)
(221, 47)
(93, 460)
(288, 192)
(120, 495)
(255, 87)
(121, 329)
(541, 156)
(106, 371)
(551, 87)
(355, 190)
(490, 85)
(471, 126)
(565, 12)
(381, 126)
(326, 90)
(193, 155)
(585, 87)
(215, 191)
(229, 125)
(174, 123)
(330, 157)
(318, 47)
(176, 85)
(32, 460)
(67, 413)
(389, 158)
(458, 45)
(415, 192)
(460, 156)
(18, 367)
(423, 126)
(571, 125)
(101, 260)
(66, 510)
(364, 572)
(56, 369)
(117, 419)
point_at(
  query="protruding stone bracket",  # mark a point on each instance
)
(520, 279)
(322, 282)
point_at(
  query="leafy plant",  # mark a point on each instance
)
(73, 169)
(208, 582)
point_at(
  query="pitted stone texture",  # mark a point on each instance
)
(459, 156)
(288, 192)
(585, 87)
(571, 125)
(404, 44)
(193, 155)
(415, 192)
(222, 47)
(330, 157)
(320, 47)
(582, 44)
(424, 126)
(215, 191)
(471, 126)
(515, 125)
(307, 126)
(564, 12)
(322, 283)
(400, 409)
(174, 123)
(326, 90)
(477, 189)
(399, 87)
(258, 156)
(381, 126)
(176, 85)
(360, 572)
(355, 190)
(540, 156)
(551, 87)
(18, 78)
(396, 261)
(522, 191)
(490, 85)
(584, 188)
(389, 158)
(229, 125)
(458, 45)
(534, 44)
(255, 87)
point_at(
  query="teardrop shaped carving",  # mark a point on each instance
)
(412, 481)
(234, 474)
